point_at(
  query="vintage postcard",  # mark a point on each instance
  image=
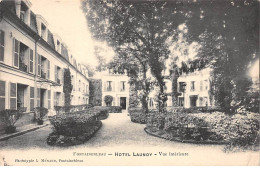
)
(129, 83)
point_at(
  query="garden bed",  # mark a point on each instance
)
(238, 132)
(55, 139)
(75, 128)
(162, 134)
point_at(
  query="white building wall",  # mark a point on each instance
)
(10, 74)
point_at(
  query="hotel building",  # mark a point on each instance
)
(32, 62)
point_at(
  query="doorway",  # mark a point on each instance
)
(193, 101)
(123, 103)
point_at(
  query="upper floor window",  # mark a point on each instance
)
(109, 85)
(122, 84)
(192, 86)
(206, 84)
(58, 74)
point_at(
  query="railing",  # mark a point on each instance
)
(109, 89)
(22, 67)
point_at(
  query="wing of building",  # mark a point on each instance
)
(32, 62)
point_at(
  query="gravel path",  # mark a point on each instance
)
(119, 135)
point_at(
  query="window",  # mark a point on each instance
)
(57, 74)
(206, 84)
(2, 95)
(182, 86)
(16, 53)
(2, 45)
(181, 101)
(192, 86)
(109, 85)
(83, 88)
(122, 86)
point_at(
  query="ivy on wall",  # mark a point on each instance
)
(95, 92)
(67, 87)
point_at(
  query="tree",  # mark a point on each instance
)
(228, 32)
(99, 53)
(67, 87)
(140, 28)
(108, 100)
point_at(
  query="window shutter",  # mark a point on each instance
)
(62, 76)
(31, 98)
(56, 73)
(2, 95)
(49, 99)
(39, 65)
(2, 45)
(13, 95)
(54, 99)
(16, 52)
(31, 61)
(48, 69)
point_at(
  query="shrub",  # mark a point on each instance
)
(137, 115)
(115, 109)
(108, 100)
(100, 112)
(40, 113)
(72, 124)
(10, 117)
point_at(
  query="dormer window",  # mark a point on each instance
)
(58, 46)
(22, 16)
(24, 13)
(44, 31)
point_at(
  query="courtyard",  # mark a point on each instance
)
(117, 137)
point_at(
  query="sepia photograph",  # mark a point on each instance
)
(129, 83)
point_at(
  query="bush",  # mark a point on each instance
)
(73, 128)
(240, 130)
(108, 100)
(100, 112)
(115, 109)
(40, 113)
(137, 115)
(9, 118)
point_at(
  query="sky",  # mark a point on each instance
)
(66, 19)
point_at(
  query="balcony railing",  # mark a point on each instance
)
(109, 89)
(23, 67)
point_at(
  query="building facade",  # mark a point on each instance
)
(32, 62)
(195, 89)
(117, 86)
